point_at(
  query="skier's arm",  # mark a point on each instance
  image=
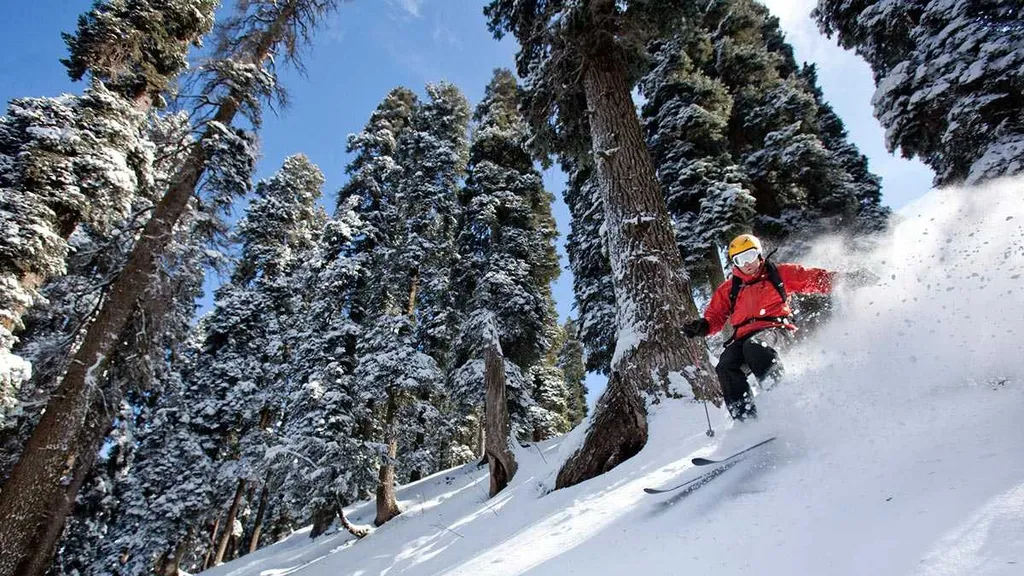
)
(800, 280)
(717, 312)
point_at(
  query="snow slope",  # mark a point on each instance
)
(900, 449)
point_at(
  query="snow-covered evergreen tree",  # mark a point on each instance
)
(949, 77)
(251, 41)
(68, 303)
(137, 47)
(71, 160)
(570, 360)
(799, 184)
(405, 344)
(63, 162)
(166, 492)
(148, 369)
(548, 413)
(872, 216)
(246, 354)
(146, 363)
(323, 461)
(581, 59)
(433, 156)
(507, 258)
(687, 117)
(587, 248)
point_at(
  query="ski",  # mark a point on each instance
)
(694, 483)
(709, 461)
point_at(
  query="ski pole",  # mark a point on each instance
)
(710, 431)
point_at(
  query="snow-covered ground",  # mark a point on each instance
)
(900, 446)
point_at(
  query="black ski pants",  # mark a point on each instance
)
(758, 351)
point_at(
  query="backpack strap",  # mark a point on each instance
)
(776, 279)
(734, 292)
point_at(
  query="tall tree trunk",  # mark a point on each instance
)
(38, 495)
(502, 462)
(229, 523)
(98, 424)
(168, 564)
(481, 434)
(322, 518)
(651, 288)
(208, 560)
(254, 540)
(387, 505)
(414, 285)
(716, 275)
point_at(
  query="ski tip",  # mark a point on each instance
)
(709, 461)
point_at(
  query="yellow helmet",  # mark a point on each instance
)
(742, 243)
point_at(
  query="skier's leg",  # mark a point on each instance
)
(735, 389)
(761, 353)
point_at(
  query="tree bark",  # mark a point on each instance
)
(98, 423)
(322, 518)
(213, 543)
(229, 523)
(651, 288)
(254, 540)
(481, 434)
(357, 531)
(168, 564)
(716, 275)
(500, 458)
(39, 493)
(387, 505)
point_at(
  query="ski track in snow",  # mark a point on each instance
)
(899, 449)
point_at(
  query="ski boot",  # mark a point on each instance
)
(743, 409)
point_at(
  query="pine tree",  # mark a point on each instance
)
(872, 216)
(507, 263)
(405, 345)
(587, 248)
(137, 47)
(949, 77)
(237, 83)
(63, 162)
(322, 461)
(142, 365)
(373, 197)
(580, 59)
(70, 160)
(247, 353)
(773, 128)
(570, 360)
(687, 117)
(433, 159)
(53, 328)
(169, 487)
(147, 370)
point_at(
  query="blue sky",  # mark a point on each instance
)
(371, 46)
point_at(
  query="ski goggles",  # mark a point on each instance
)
(746, 257)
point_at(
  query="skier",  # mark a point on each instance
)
(755, 301)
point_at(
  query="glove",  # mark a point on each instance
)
(696, 328)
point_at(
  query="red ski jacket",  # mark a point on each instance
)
(759, 305)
